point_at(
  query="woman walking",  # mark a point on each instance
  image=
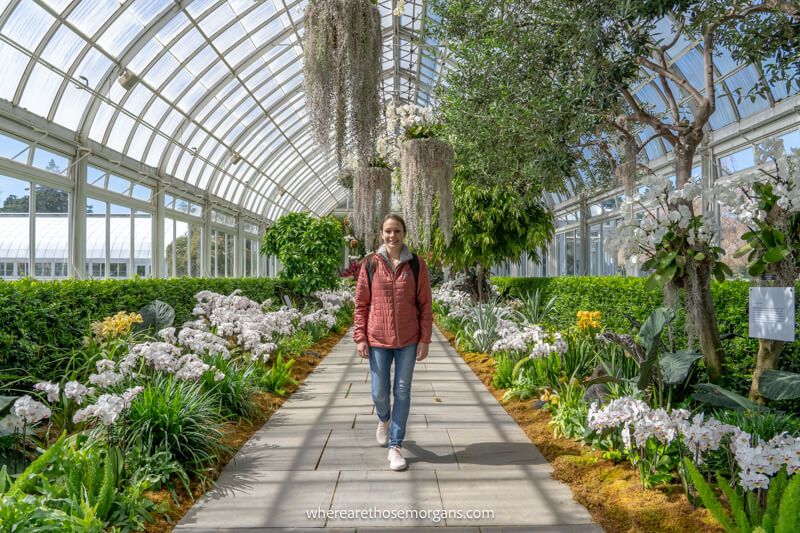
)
(393, 322)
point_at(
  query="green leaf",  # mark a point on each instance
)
(757, 268)
(654, 325)
(653, 282)
(776, 254)
(699, 256)
(675, 366)
(667, 260)
(157, 314)
(779, 385)
(743, 250)
(716, 395)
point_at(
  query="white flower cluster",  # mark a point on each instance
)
(649, 216)
(76, 391)
(51, 389)
(516, 339)
(738, 197)
(29, 411)
(409, 115)
(333, 301)
(638, 423)
(450, 297)
(556, 345)
(320, 316)
(106, 410)
(191, 368)
(199, 341)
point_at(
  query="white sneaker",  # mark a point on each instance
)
(396, 460)
(382, 434)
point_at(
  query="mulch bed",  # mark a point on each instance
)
(235, 435)
(611, 492)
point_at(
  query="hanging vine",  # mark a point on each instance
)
(342, 73)
(371, 191)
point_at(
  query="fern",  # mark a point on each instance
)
(754, 509)
(789, 507)
(736, 504)
(776, 488)
(708, 497)
(25, 480)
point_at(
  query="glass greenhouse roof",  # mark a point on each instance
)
(207, 91)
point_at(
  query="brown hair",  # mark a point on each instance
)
(392, 216)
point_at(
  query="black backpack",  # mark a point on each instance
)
(369, 263)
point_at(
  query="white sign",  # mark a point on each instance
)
(772, 313)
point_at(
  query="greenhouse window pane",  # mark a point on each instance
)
(73, 103)
(14, 149)
(14, 63)
(216, 20)
(740, 84)
(121, 32)
(187, 45)
(91, 14)
(50, 161)
(139, 142)
(142, 238)
(40, 90)
(120, 132)
(63, 47)
(27, 25)
(119, 258)
(94, 67)
(142, 192)
(95, 238)
(119, 185)
(791, 141)
(14, 227)
(156, 151)
(736, 162)
(181, 247)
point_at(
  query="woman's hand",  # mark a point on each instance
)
(362, 349)
(422, 351)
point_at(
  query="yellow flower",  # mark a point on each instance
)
(588, 319)
(115, 326)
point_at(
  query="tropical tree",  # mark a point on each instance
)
(492, 224)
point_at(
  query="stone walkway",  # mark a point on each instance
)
(317, 456)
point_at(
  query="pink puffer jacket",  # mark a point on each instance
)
(393, 316)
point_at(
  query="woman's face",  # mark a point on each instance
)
(392, 234)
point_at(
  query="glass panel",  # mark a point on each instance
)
(195, 247)
(119, 257)
(143, 244)
(52, 231)
(168, 256)
(181, 248)
(95, 238)
(14, 149)
(142, 192)
(50, 161)
(14, 227)
(569, 256)
(733, 163)
(230, 249)
(120, 185)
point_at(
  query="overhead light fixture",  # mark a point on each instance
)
(127, 79)
(235, 158)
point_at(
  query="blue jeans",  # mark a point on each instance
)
(380, 361)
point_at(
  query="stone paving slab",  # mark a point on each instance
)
(318, 453)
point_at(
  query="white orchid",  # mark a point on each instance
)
(29, 410)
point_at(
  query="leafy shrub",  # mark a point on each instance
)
(504, 367)
(41, 322)
(176, 416)
(619, 297)
(277, 377)
(309, 248)
(234, 392)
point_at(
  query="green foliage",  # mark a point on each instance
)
(779, 385)
(621, 297)
(479, 326)
(718, 396)
(789, 507)
(41, 322)
(157, 315)
(309, 249)
(492, 224)
(277, 377)
(534, 309)
(177, 416)
(568, 414)
(503, 370)
(234, 392)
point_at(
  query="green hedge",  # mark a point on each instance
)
(616, 296)
(41, 321)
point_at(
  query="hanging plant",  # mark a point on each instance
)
(372, 188)
(345, 178)
(427, 166)
(342, 73)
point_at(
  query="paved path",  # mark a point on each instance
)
(318, 454)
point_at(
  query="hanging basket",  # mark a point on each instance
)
(342, 73)
(372, 188)
(427, 166)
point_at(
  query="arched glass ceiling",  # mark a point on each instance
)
(687, 58)
(214, 94)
